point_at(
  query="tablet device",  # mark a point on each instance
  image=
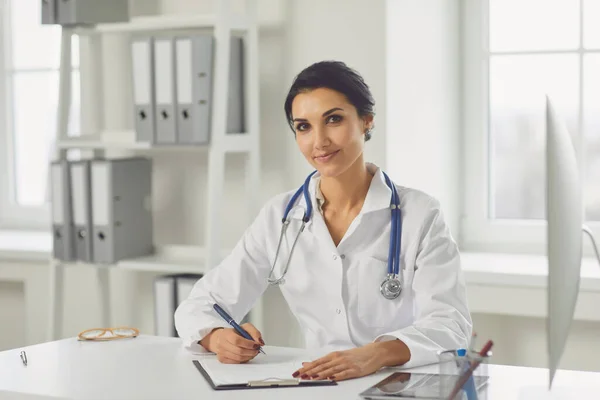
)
(410, 385)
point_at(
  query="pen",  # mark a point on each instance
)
(24, 358)
(234, 324)
(469, 372)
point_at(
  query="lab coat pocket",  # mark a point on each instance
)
(374, 310)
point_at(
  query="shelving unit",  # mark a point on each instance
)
(223, 24)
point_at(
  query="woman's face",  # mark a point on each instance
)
(329, 131)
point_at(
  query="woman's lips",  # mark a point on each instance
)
(327, 157)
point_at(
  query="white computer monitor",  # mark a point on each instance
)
(565, 219)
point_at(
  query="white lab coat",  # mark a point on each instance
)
(334, 291)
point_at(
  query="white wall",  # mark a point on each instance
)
(352, 31)
(423, 99)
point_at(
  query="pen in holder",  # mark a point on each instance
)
(466, 369)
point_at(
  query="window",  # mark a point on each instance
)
(30, 56)
(516, 52)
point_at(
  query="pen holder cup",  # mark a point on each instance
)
(454, 369)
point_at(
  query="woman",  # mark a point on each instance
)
(333, 283)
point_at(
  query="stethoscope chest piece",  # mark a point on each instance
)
(391, 287)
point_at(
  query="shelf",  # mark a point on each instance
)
(169, 260)
(162, 22)
(151, 23)
(233, 143)
(25, 245)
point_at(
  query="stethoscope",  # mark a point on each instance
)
(392, 285)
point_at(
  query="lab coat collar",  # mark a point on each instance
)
(378, 196)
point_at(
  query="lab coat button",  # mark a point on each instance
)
(337, 310)
(343, 256)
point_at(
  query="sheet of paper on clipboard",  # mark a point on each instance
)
(273, 369)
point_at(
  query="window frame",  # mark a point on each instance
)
(478, 232)
(12, 214)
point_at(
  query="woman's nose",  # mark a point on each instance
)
(321, 138)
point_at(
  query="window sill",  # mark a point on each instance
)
(521, 270)
(515, 284)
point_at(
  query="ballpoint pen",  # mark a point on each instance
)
(234, 324)
(24, 358)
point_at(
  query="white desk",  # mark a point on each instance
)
(159, 368)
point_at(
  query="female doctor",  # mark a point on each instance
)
(378, 283)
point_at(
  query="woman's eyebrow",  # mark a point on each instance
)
(326, 113)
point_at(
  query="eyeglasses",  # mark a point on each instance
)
(101, 334)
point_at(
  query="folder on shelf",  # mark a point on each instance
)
(72, 12)
(62, 213)
(194, 61)
(169, 292)
(121, 209)
(82, 209)
(49, 8)
(164, 306)
(195, 84)
(62, 217)
(185, 284)
(273, 370)
(164, 80)
(235, 94)
(142, 52)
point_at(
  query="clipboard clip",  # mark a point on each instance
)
(274, 382)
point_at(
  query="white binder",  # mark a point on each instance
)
(142, 52)
(82, 209)
(62, 217)
(164, 80)
(169, 292)
(164, 306)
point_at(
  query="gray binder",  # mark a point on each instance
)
(74, 12)
(235, 95)
(166, 93)
(62, 217)
(49, 12)
(194, 66)
(82, 209)
(142, 51)
(121, 212)
(194, 57)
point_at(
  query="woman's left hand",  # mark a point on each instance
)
(353, 363)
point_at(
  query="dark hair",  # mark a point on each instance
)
(337, 76)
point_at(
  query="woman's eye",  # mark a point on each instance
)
(334, 118)
(302, 126)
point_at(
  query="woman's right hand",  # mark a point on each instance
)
(230, 347)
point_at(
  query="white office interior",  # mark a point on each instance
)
(418, 59)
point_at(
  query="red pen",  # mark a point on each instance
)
(464, 377)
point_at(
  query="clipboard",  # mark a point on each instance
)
(263, 384)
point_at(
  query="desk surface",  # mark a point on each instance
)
(151, 367)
